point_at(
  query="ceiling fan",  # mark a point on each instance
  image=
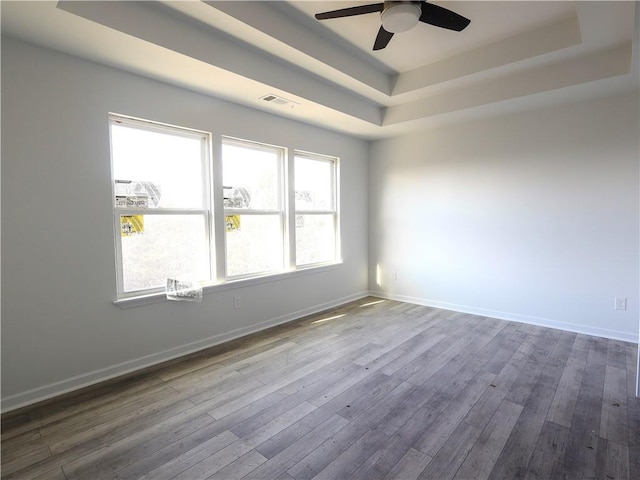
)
(400, 16)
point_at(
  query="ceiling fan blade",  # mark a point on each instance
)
(383, 39)
(441, 17)
(351, 11)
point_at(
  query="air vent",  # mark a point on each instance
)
(276, 100)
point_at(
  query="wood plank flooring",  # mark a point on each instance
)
(375, 389)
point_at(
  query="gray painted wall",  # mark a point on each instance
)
(60, 329)
(530, 217)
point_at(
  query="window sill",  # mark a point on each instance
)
(147, 299)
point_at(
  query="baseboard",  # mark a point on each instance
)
(514, 317)
(49, 391)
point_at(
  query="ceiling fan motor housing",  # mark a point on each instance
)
(400, 16)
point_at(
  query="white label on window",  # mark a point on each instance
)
(182, 290)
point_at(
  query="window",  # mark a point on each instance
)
(315, 209)
(165, 196)
(161, 201)
(253, 207)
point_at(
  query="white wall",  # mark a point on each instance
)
(60, 329)
(531, 217)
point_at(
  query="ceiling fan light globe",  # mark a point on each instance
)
(400, 17)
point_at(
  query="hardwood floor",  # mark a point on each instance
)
(372, 390)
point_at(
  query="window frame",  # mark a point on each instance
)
(214, 213)
(334, 212)
(207, 201)
(280, 211)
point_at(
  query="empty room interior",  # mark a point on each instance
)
(295, 240)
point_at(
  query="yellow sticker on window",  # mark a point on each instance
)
(131, 225)
(232, 222)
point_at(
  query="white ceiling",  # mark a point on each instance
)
(426, 44)
(514, 55)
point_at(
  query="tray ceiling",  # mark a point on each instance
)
(514, 55)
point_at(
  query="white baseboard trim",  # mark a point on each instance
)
(51, 390)
(514, 317)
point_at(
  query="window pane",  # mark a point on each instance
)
(251, 177)
(165, 168)
(172, 246)
(315, 239)
(254, 244)
(314, 184)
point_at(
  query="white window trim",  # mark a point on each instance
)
(205, 212)
(281, 211)
(335, 178)
(159, 297)
(215, 213)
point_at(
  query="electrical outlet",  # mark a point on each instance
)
(620, 303)
(236, 302)
(394, 275)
